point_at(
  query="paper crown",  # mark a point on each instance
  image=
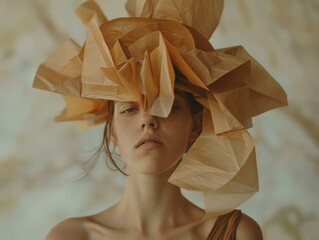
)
(133, 59)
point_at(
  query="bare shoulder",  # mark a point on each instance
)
(248, 229)
(71, 229)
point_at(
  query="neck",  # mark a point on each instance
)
(154, 204)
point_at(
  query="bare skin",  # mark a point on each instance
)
(157, 219)
(151, 207)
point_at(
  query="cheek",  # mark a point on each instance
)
(122, 131)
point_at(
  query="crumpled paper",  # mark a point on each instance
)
(133, 59)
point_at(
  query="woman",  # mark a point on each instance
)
(177, 109)
(151, 207)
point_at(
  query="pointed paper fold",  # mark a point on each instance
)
(89, 10)
(202, 15)
(265, 92)
(213, 159)
(240, 188)
(62, 71)
(79, 108)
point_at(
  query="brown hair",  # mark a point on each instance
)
(105, 145)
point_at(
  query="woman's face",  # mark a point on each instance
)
(150, 144)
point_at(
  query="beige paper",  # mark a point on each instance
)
(213, 159)
(202, 15)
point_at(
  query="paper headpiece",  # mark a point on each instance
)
(133, 59)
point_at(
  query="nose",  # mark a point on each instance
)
(149, 121)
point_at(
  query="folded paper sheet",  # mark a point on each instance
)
(133, 59)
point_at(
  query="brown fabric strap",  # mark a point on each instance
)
(225, 226)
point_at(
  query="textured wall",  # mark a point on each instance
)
(40, 160)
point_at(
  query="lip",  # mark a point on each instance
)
(149, 142)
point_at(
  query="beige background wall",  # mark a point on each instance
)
(40, 160)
